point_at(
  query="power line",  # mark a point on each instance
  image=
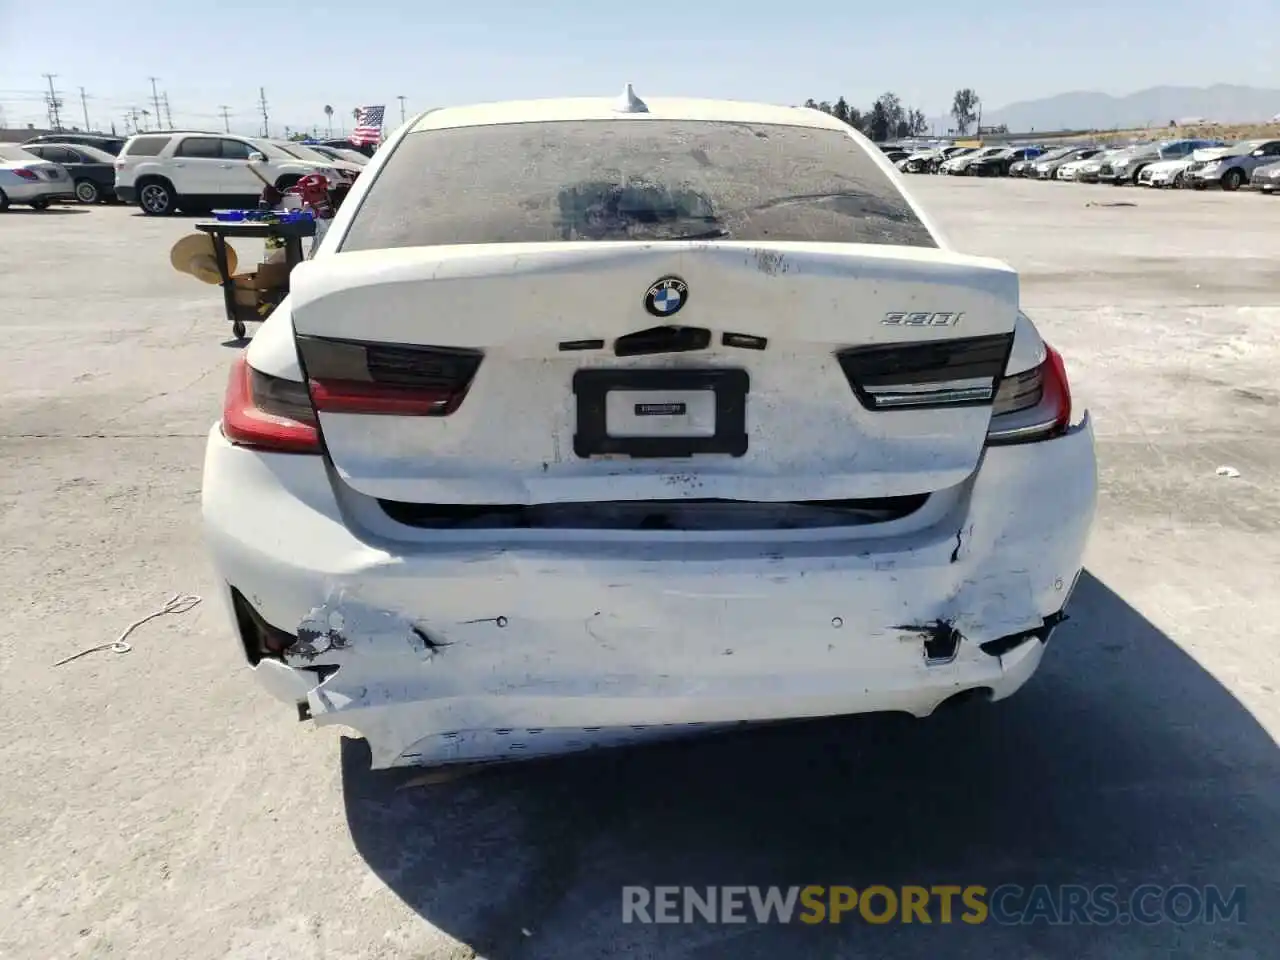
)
(155, 97)
(262, 103)
(226, 118)
(55, 104)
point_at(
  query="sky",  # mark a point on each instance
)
(306, 54)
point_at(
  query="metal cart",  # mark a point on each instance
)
(293, 232)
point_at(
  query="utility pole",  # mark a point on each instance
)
(401, 99)
(262, 104)
(55, 119)
(133, 117)
(155, 98)
(226, 118)
(168, 114)
(84, 103)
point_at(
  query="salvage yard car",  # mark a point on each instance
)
(1127, 167)
(595, 420)
(1000, 163)
(92, 171)
(30, 180)
(1230, 167)
(1046, 166)
(958, 165)
(1266, 179)
(1172, 173)
(193, 171)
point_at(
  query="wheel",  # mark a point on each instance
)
(1179, 180)
(156, 198)
(4, 201)
(87, 191)
(1198, 184)
(1232, 179)
(237, 329)
(41, 204)
(1137, 173)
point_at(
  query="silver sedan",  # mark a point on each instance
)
(25, 178)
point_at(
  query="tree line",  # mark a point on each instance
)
(889, 119)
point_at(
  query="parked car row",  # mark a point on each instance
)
(163, 172)
(1194, 163)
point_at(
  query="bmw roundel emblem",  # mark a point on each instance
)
(666, 297)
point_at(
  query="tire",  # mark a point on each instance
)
(87, 191)
(1179, 180)
(1232, 179)
(41, 204)
(238, 329)
(1137, 173)
(156, 198)
(4, 201)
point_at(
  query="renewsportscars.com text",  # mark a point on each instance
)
(1064, 904)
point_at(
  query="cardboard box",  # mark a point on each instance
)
(271, 276)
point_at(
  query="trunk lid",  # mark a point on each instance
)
(776, 320)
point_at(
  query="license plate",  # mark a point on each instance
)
(661, 413)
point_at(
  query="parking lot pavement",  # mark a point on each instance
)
(156, 804)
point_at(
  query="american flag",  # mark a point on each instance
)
(368, 125)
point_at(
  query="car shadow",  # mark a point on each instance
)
(1123, 762)
(47, 211)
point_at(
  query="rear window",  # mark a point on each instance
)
(145, 146)
(632, 180)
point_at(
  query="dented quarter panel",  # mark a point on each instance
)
(462, 650)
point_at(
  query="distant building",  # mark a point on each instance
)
(21, 134)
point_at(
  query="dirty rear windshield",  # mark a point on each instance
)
(631, 180)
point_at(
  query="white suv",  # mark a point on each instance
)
(162, 172)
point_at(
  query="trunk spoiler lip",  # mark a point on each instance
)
(315, 279)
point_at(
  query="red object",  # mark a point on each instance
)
(27, 174)
(1057, 388)
(313, 190)
(358, 396)
(267, 413)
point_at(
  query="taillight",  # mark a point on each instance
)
(26, 174)
(925, 374)
(1035, 405)
(268, 413)
(348, 376)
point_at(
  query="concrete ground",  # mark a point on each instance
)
(157, 804)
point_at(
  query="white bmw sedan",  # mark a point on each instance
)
(594, 420)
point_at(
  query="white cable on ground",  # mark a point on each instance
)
(178, 603)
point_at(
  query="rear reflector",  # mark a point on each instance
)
(349, 376)
(268, 413)
(932, 373)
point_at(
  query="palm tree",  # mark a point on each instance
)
(328, 118)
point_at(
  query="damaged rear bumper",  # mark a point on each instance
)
(457, 650)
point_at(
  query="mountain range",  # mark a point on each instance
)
(1086, 110)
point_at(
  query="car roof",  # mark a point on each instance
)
(606, 108)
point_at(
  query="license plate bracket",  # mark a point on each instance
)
(728, 388)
